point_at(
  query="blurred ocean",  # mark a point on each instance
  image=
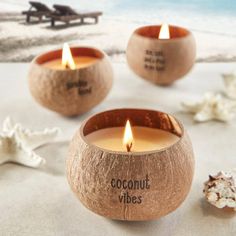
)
(120, 6)
(213, 23)
(213, 16)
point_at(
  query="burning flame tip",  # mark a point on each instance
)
(128, 136)
(164, 32)
(67, 59)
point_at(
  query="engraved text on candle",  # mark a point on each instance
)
(126, 197)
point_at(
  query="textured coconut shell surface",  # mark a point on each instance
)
(161, 61)
(70, 92)
(131, 186)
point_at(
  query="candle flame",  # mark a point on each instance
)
(67, 59)
(128, 137)
(164, 32)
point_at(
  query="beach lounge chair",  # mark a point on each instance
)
(37, 9)
(66, 14)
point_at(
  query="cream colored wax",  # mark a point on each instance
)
(145, 139)
(80, 62)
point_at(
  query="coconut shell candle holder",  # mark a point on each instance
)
(70, 91)
(161, 60)
(135, 185)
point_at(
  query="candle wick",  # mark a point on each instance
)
(67, 66)
(129, 146)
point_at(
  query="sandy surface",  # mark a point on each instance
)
(21, 42)
(40, 202)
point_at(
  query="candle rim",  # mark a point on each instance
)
(41, 59)
(83, 136)
(156, 36)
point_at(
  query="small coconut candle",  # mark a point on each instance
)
(161, 53)
(70, 81)
(131, 164)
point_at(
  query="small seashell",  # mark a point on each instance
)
(220, 190)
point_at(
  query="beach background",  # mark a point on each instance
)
(212, 22)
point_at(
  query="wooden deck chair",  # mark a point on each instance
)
(38, 10)
(66, 14)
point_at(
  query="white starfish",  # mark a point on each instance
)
(17, 144)
(230, 84)
(211, 107)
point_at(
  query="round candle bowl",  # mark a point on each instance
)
(161, 61)
(70, 92)
(132, 186)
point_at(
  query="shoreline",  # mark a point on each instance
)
(21, 42)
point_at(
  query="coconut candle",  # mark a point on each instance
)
(161, 53)
(121, 171)
(70, 81)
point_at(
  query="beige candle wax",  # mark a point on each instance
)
(80, 62)
(144, 139)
